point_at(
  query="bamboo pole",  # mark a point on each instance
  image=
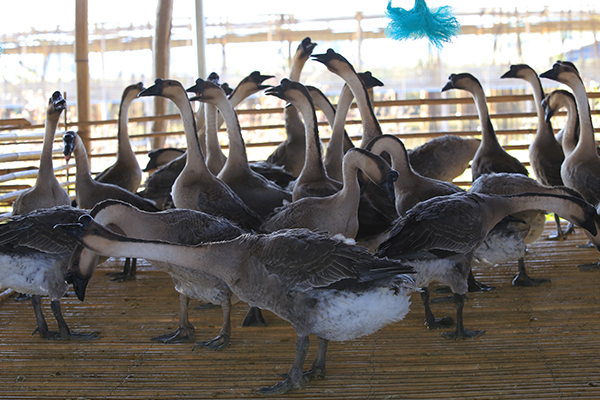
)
(83, 72)
(162, 38)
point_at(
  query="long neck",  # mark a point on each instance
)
(83, 173)
(488, 136)
(200, 119)
(124, 145)
(195, 158)
(370, 125)
(351, 189)
(313, 161)
(237, 147)
(214, 155)
(570, 132)
(335, 148)
(587, 141)
(46, 170)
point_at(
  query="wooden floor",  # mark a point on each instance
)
(541, 343)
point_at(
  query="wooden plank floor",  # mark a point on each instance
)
(541, 343)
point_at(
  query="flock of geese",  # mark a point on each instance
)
(333, 244)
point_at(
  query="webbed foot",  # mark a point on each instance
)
(439, 323)
(523, 280)
(219, 343)
(180, 335)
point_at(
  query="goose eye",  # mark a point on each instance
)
(381, 167)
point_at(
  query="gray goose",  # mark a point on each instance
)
(176, 226)
(259, 193)
(490, 156)
(196, 188)
(313, 180)
(320, 285)
(545, 152)
(439, 236)
(581, 168)
(47, 191)
(126, 171)
(33, 261)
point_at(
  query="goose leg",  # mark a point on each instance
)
(475, 286)
(589, 267)
(185, 332)
(317, 369)
(41, 325)
(430, 321)
(461, 332)
(295, 379)
(222, 340)
(522, 279)
(64, 333)
(560, 234)
(129, 271)
(254, 317)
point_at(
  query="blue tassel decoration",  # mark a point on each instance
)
(439, 25)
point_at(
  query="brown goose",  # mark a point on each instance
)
(490, 156)
(126, 171)
(260, 194)
(47, 191)
(545, 152)
(176, 226)
(320, 285)
(337, 213)
(552, 103)
(313, 180)
(290, 153)
(195, 187)
(439, 236)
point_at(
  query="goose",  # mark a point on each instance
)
(581, 168)
(126, 171)
(260, 194)
(313, 180)
(545, 152)
(508, 241)
(337, 213)
(290, 153)
(319, 284)
(33, 260)
(89, 192)
(490, 156)
(337, 144)
(176, 226)
(552, 103)
(158, 185)
(443, 158)
(337, 64)
(47, 191)
(438, 236)
(322, 103)
(195, 187)
(160, 157)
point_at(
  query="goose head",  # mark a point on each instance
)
(80, 270)
(305, 48)
(163, 87)
(250, 85)
(206, 90)
(290, 91)
(57, 102)
(563, 72)
(555, 101)
(334, 62)
(464, 81)
(369, 80)
(132, 91)
(69, 138)
(375, 168)
(521, 71)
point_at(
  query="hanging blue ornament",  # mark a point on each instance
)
(438, 25)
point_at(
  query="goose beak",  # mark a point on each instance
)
(548, 112)
(448, 86)
(79, 284)
(275, 91)
(58, 101)
(154, 90)
(388, 183)
(68, 144)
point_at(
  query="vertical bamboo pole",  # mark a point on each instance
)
(162, 38)
(201, 39)
(82, 69)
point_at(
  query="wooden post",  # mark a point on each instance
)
(201, 39)
(82, 69)
(161, 49)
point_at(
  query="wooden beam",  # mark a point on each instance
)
(82, 68)
(161, 49)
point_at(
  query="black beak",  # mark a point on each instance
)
(388, 183)
(79, 284)
(58, 101)
(154, 90)
(448, 86)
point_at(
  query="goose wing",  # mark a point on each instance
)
(304, 260)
